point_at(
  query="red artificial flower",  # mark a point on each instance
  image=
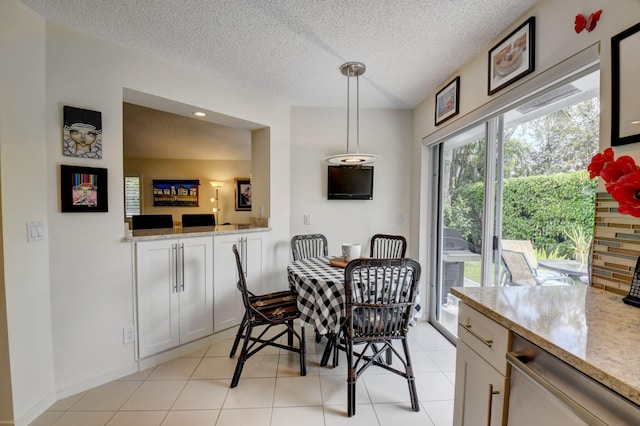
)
(599, 162)
(626, 191)
(612, 172)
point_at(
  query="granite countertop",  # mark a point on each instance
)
(196, 231)
(590, 329)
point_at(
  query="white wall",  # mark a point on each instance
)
(319, 132)
(24, 198)
(91, 269)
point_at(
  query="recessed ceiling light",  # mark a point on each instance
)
(635, 122)
(199, 114)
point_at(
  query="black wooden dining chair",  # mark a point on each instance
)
(380, 296)
(309, 245)
(268, 310)
(388, 246)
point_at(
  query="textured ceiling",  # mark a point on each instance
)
(292, 49)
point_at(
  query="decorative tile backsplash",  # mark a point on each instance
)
(616, 248)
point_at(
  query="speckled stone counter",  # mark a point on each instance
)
(590, 329)
(196, 231)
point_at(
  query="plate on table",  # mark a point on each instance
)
(338, 262)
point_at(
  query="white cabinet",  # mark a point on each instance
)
(174, 292)
(481, 370)
(228, 309)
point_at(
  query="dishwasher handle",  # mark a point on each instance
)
(513, 358)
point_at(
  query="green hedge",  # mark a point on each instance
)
(536, 208)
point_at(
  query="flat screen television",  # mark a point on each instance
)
(350, 183)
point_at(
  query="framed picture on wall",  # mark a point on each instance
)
(175, 193)
(625, 66)
(82, 133)
(83, 189)
(447, 101)
(513, 57)
(243, 194)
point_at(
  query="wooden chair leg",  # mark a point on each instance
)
(411, 379)
(328, 349)
(303, 353)
(351, 382)
(241, 329)
(242, 357)
(290, 333)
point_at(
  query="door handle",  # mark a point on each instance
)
(174, 249)
(182, 263)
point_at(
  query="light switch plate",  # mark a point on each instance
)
(36, 230)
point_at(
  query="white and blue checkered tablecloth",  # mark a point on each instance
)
(321, 297)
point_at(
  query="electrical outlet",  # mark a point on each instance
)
(128, 335)
(400, 219)
(307, 219)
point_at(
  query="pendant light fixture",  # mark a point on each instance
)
(352, 69)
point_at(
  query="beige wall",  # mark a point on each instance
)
(320, 132)
(204, 171)
(556, 42)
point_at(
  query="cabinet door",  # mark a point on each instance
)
(195, 265)
(157, 293)
(254, 262)
(480, 390)
(228, 309)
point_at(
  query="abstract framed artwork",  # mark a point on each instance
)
(513, 57)
(175, 193)
(82, 133)
(625, 65)
(447, 101)
(243, 194)
(83, 189)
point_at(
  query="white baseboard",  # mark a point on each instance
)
(35, 411)
(97, 381)
(185, 349)
(134, 367)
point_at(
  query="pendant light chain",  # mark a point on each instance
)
(348, 108)
(352, 69)
(358, 113)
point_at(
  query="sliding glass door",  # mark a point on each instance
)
(516, 185)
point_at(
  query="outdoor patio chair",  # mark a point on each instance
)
(520, 272)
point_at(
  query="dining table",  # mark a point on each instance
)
(321, 296)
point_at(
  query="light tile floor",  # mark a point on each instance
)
(194, 390)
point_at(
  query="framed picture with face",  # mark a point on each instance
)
(82, 133)
(83, 189)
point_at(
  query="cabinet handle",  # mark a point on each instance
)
(182, 263)
(174, 248)
(488, 342)
(491, 393)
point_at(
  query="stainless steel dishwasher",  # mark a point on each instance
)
(545, 390)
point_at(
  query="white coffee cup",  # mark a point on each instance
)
(350, 251)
